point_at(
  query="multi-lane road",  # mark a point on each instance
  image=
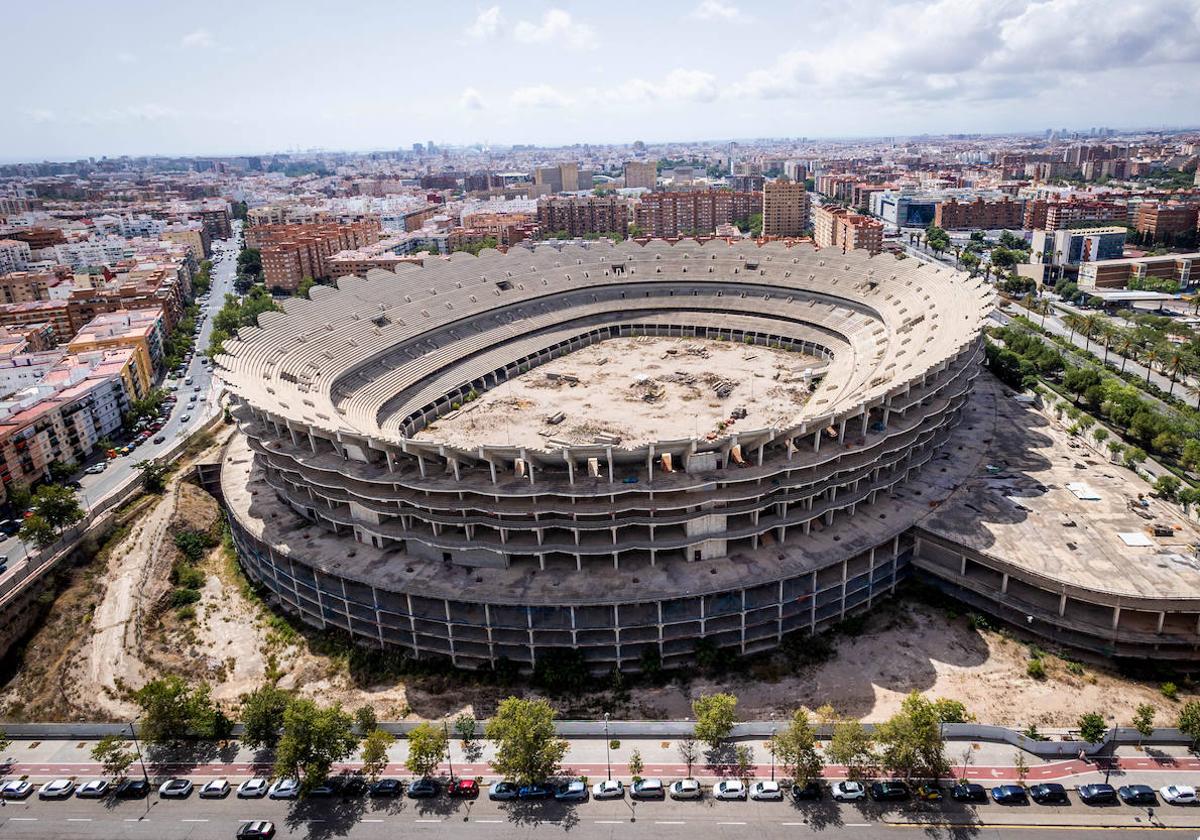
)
(96, 487)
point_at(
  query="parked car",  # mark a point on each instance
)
(686, 789)
(285, 788)
(889, 791)
(159, 438)
(969, 792)
(575, 791)
(503, 791)
(1178, 794)
(463, 788)
(57, 789)
(1137, 795)
(95, 789)
(808, 792)
(729, 789)
(257, 830)
(651, 788)
(132, 789)
(422, 789)
(608, 789)
(1097, 794)
(175, 789)
(766, 791)
(255, 788)
(1009, 795)
(1048, 793)
(215, 789)
(386, 787)
(535, 791)
(16, 789)
(847, 791)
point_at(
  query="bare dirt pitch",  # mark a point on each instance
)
(636, 390)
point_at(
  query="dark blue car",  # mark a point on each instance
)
(535, 791)
(1009, 795)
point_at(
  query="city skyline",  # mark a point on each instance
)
(270, 77)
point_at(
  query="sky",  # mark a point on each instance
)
(131, 77)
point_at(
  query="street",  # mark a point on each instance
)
(96, 487)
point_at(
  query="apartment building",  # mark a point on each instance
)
(140, 330)
(837, 227)
(216, 222)
(28, 286)
(508, 228)
(38, 237)
(1057, 215)
(784, 208)
(192, 236)
(1080, 245)
(27, 315)
(979, 214)
(1182, 269)
(287, 214)
(292, 252)
(578, 216)
(14, 255)
(562, 177)
(641, 175)
(1165, 222)
(671, 214)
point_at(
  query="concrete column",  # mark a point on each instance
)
(817, 441)
(962, 566)
(1004, 584)
(1062, 605)
(1162, 617)
(1116, 617)
(842, 431)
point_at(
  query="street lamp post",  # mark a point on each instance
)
(449, 758)
(772, 753)
(607, 748)
(137, 746)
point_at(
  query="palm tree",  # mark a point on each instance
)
(1150, 357)
(1088, 327)
(1107, 332)
(1045, 307)
(1127, 346)
(1193, 389)
(957, 254)
(1174, 361)
(1074, 322)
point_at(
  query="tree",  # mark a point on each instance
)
(1167, 486)
(951, 711)
(114, 754)
(1188, 721)
(1092, 727)
(154, 476)
(427, 746)
(635, 764)
(715, 715)
(5, 743)
(527, 748)
(375, 752)
(304, 286)
(796, 750)
(851, 747)
(1143, 720)
(910, 741)
(313, 738)
(688, 752)
(36, 530)
(58, 505)
(364, 719)
(173, 710)
(262, 715)
(464, 726)
(743, 758)
(1020, 765)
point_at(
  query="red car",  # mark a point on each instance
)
(463, 788)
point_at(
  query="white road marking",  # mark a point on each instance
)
(427, 821)
(372, 821)
(489, 821)
(856, 825)
(79, 819)
(147, 819)
(23, 819)
(669, 822)
(193, 820)
(731, 823)
(799, 823)
(609, 822)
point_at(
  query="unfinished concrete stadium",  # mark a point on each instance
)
(607, 448)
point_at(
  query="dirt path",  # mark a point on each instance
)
(136, 579)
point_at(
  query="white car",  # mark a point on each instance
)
(57, 789)
(15, 789)
(216, 789)
(729, 789)
(284, 789)
(686, 789)
(608, 789)
(95, 789)
(255, 788)
(1178, 794)
(847, 791)
(175, 789)
(766, 791)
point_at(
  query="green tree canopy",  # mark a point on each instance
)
(851, 746)
(796, 749)
(1092, 727)
(527, 747)
(173, 710)
(375, 752)
(114, 754)
(715, 715)
(910, 741)
(427, 746)
(262, 715)
(314, 737)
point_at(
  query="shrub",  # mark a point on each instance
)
(1036, 669)
(1169, 690)
(182, 596)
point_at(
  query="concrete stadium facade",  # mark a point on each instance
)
(501, 551)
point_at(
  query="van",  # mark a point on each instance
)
(187, 381)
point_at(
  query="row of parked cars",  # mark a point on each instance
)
(1047, 793)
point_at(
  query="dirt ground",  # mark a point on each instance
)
(636, 390)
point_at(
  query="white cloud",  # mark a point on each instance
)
(716, 10)
(126, 57)
(556, 27)
(41, 116)
(152, 112)
(964, 50)
(677, 86)
(199, 38)
(540, 96)
(486, 24)
(471, 100)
